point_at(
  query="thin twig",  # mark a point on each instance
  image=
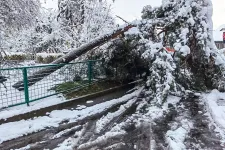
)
(122, 19)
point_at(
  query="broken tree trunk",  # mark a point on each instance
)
(39, 75)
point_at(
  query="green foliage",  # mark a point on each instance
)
(76, 89)
(39, 59)
(123, 62)
(66, 86)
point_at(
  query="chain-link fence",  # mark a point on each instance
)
(71, 76)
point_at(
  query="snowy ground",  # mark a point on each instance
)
(22, 109)
(54, 119)
(184, 123)
(215, 102)
(194, 122)
(216, 105)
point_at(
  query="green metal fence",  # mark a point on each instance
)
(78, 74)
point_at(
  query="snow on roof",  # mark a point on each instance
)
(221, 27)
(218, 33)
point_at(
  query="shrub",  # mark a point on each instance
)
(15, 56)
(46, 58)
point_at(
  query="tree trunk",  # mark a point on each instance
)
(39, 75)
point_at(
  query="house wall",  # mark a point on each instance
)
(220, 45)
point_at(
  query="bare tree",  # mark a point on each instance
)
(15, 14)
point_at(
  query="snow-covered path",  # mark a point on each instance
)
(215, 104)
(181, 123)
(56, 118)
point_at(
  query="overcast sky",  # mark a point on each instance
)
(131, 9)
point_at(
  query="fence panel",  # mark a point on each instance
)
(78, 74)
(8, 95)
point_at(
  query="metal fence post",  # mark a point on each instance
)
(25, 81)
(89, 71)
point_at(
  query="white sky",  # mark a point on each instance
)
(131, 9)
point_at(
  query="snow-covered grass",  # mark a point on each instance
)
(47, 57)
(16, 56)
(55, 118)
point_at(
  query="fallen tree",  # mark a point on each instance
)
(193, 66)
(184, 26)
(196, 64)
(39, 75)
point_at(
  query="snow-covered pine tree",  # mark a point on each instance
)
(186, 27)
